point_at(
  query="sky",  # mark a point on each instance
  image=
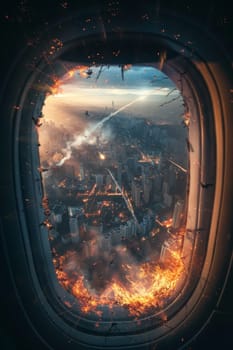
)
(108, 91)
(82, 101)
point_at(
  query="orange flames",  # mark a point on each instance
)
(56, 87)
(147, 286)
(166, 223)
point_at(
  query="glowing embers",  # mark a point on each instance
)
(116, 171)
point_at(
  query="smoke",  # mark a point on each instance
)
(80, 139)
(68, 152)
(118, 263)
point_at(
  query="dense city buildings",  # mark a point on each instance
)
(116, 197)
(117, 193)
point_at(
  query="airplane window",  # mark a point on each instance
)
(114, 144)
(118, 177)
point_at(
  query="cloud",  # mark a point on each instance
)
(84, 103)
(72, 91)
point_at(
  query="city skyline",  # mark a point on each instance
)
(116, 184)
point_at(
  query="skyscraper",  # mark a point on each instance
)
(136, 194)
(99, 180)
(74, 229)
(147, 187)
(81, 172)
(177, 214)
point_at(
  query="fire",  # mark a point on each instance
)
(56, 87)
(186, 119)
(45, 204)
(146, 286)
(166, 223)
(83, 71)
(102, 156)
(48, 224)
(57, 83)
(62, 184)
(71, 73)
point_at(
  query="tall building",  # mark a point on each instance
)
(75, 211)
(74, 230)
(171, 177)
(99, 179)
(94, 247)
(86, 249)
(59, 219)
(68, 170)
(133, 227)
(131, 163)
(136, 194)
(165, 187)
(147, 188)
(123, 231)
(104, 243)
(65, 238)
(98, 143)
(81, 172)
(128, 230)
(146, 224)
(90, 248)
(167, 198)
(119, 173)
(57, 214)
(110, 184)
(115, 236)
(178, 214)
(168, 248)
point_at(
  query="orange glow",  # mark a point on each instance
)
(62, 184)
(122, 215)
(71, 73)
(166, 223)
(127, 66)
(56, 87)
(157, 160)
(147, 286)
(187, 119)
(102, 156)
(45, 204)
(83, 71)
(48, 224)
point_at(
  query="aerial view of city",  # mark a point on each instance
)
(114, 154)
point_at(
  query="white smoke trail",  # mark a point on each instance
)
(100, 124)
(88, 132)
(68, 153)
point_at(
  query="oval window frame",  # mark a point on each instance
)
(220, 113)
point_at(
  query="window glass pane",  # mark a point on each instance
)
(114, 150)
